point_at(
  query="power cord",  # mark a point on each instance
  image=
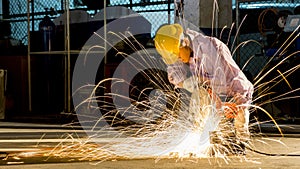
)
(271, 154)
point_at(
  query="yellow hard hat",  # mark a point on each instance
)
(167, 42)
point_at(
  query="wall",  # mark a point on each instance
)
(201, 12)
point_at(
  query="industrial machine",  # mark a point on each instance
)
(281, 30)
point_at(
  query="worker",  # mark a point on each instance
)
(190, 53)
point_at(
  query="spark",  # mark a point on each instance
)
(177, 131)
(161, 121)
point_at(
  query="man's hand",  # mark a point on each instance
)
(230, 110)
(215, 98)
(239, 99)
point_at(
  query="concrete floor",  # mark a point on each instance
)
(255, 162)
(268, 144)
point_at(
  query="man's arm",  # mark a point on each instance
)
(177, 73)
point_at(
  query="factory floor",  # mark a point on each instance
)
(270, 150)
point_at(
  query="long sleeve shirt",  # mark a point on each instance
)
(212, 61)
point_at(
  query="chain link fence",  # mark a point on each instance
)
(258, 21)
(260, 36)
(262, 26)
(270, 54)
(156, 11)
(261, 23)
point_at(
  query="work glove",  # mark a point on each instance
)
(191, 84)
(230, 110)
(177, 72)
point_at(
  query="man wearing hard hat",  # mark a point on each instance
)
(210, 61)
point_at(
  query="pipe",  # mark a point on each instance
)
(237, 17)
(28, 57)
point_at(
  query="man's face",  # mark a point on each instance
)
(184, 54)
